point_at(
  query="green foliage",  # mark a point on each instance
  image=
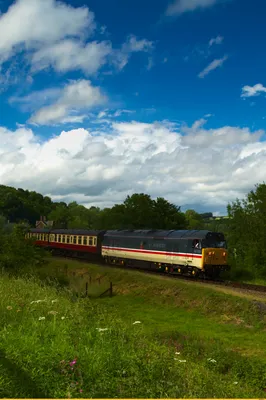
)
(16, 253)
(247, 232)
(194, 220)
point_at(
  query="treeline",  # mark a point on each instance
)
(138, 211)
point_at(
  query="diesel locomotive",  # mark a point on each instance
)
(182, 252)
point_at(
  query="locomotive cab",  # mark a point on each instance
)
(214, 254)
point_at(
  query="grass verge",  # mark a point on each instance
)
(190, 342)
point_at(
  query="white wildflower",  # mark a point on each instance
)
(62, 317)
(41, 318)
(102, 329)
(177, 352)
(212, 360)
(37, 301)
(182, 361)
(136, 322)
(235, 383)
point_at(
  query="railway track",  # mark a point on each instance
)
(237, 285)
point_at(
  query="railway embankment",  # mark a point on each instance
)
(154, 337)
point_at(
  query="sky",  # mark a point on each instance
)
(100, 99)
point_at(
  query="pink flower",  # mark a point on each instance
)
(80, 390)
(72, 363)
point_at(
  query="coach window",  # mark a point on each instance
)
(59, 238)
(75, 239)
(95, 241)
(85, 240)
(79, 239)
(68, 239)
(90, 241)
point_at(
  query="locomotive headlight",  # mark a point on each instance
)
(224, 253)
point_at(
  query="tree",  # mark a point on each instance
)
(139, 211)
(168, 215)
(247, 231)
(194, 220)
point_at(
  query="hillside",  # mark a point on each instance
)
(153, 338)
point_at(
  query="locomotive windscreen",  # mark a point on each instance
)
(215, 240)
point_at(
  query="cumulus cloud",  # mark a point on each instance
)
(181, 6)
(212, 66)
(217, 40)
(256, 90)
(31, 23)
(70, 55)
(76, 96)
(59, 36)
(186, 165)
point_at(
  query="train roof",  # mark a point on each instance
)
(168, 234)
(86, 232)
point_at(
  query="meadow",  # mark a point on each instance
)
(154, 338)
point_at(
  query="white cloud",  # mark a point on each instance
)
(212, 66)
(70, 55)
(76, 96)
(186, 165)
(29, 24)
(217, 40)
(256, 90)
(150, 64)
(132, 45)
(181, 6)
(54, 34)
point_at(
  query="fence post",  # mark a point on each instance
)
(111, 289)
(86, 289)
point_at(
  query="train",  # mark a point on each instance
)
(197, 253)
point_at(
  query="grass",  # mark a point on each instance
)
(219, 338)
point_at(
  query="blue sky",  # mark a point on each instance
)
(186, 68)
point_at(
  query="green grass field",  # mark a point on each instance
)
(156, 337)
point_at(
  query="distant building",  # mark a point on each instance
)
(43, 223)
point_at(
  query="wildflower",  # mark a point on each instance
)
(41, 318)
(212, 360)
(102, 329)
(73, 362)
(52, 312)
(177, 352)
(235, 383)
(37, 301)
(62, 317)
(9, 308)
(80, 390)
(136, 322)
(182, 361)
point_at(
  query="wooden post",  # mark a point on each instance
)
(90, 279)
(111, 289)
(86, 289)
